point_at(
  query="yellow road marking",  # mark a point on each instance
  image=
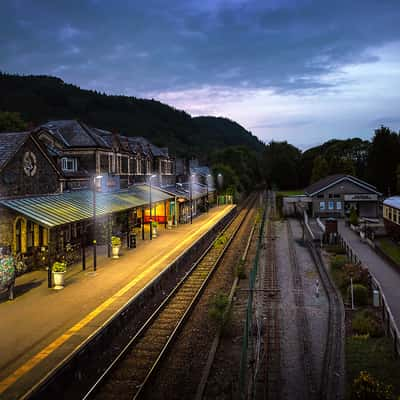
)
(37, 358)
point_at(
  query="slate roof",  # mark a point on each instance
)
(393, 201)
(10, 142)
(332, 180)
(73, 133)
(146, 145)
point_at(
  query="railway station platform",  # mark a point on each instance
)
(42, 326)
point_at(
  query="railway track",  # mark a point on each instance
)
(331, 382)
(128, 374)
(301, 320)
(271, 296)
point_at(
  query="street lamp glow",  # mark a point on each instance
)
(94, 222)
(150, 218)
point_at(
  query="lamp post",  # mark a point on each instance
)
(150, 221)
(94, 223)
(219, 181)
(208, 204)
(191, 197)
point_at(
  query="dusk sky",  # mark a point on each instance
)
(296, 70)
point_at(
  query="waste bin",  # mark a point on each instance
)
(375, 298)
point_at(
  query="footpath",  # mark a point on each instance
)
(386, 274)
(42, 326)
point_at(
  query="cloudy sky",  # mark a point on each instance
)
(297, 70)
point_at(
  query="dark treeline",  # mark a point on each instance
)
(231, 150)
(377, 161)
(39, 99)
(27, 101)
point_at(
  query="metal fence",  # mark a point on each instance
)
(390, 325)
(249, 312)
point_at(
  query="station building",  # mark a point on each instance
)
(335, 196)
(48, 187)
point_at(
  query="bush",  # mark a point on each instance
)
(359, 274)
(218, 307)
(59, 266)
(335, 249)
(366, 387)
(353, 219)
(220, 241)
(115, 241)
(240, 272)
(338, 262)
(367, 323)
(360, 294)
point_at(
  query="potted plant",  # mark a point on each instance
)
(154, 226)
(59, 269)
(115, 245)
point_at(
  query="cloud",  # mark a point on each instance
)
(273, 63)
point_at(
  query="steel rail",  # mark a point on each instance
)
(331, 383)
(301, 318)
(182, 288)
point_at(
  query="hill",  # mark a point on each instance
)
(43, 98)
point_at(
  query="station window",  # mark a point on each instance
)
(338, 205)
(330, 205)
(390, 213)
(68, 164)
(336, 196)
(320, 196)
(322, 205)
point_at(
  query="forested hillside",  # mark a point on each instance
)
(42, 98)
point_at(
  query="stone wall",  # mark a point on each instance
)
(15, 182)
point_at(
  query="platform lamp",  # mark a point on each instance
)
(94, 222)
(150, 221)
(219, 181)
(208, 176)
(191, 197)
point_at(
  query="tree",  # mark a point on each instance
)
(383, 159)
(11, 122)
(281, 165)
(320, 169)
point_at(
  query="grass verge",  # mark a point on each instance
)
(391, 249)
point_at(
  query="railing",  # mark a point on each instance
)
(391, 328)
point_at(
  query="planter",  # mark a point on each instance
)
(115, 251)
(59, 278)
(154, 232)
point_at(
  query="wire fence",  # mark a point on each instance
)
(249, 312)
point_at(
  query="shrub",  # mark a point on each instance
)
(220, 241)
(240, 272)
(115, 241)
(335, 249)
(366, 387)
(359, 274)
(338, 261)
(353, 219)
(59, 266)
(360, 294)
(366, 323)
(218, 307)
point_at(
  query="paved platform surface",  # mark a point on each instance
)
(388, 276)
(42, 326)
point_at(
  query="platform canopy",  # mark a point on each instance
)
(64, 208)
